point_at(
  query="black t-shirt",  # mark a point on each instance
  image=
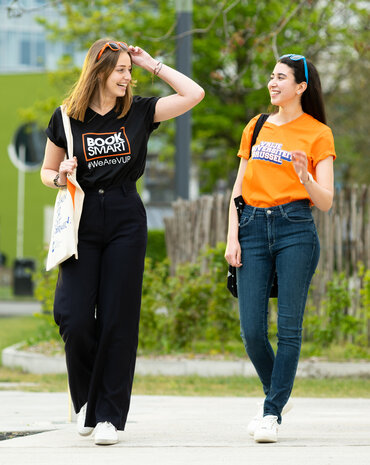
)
(109, 150)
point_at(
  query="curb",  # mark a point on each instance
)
(42, 364)
(31, 362)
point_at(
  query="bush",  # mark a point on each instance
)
(156, 249)
(336, 321)
(193, 311)
(45, 283)
(189, 307)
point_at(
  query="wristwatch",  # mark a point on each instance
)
(309, 180)
(56, 183)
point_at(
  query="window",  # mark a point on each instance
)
(25, 52)
(40, 54)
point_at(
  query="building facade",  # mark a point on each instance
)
(24, 45)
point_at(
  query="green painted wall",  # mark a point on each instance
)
(16, 92)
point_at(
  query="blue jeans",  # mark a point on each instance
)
(284, 238)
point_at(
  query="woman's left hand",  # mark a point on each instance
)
(299, 160)
(141, 58)
(188, 93)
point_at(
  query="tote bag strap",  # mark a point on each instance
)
(67, 131)
(260, 122)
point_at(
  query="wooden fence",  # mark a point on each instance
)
(344, 234)
(344, 231)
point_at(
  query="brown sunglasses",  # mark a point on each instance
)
(114, 46)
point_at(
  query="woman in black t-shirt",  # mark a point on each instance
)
(97, 298)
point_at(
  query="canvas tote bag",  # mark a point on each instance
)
(67, 211)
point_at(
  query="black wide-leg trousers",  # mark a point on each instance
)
(97, 303)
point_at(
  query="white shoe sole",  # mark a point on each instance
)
(265, 438)
(105, 442)
(253, 424)
(86, 432)
(83, 430)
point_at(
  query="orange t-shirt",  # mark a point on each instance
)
(270, 178)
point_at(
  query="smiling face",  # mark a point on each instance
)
(117, 82)
(282, 86)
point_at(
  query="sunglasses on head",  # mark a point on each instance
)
(114, 46)
(297, 58)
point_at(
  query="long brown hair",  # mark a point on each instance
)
(312, 100)
(93, 74)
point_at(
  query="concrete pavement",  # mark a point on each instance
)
(184, 430)
(19, 308)
(187, 430)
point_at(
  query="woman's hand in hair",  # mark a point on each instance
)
(188, 93)
(142, 58)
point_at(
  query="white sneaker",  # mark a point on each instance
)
(252, 425)
(81, 428)
(267, 429)
(105, 433)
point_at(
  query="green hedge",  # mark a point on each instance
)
(178, 312)
(156, 249)
(193, 312)
(181, 312)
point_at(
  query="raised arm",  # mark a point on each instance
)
(188, 93)
(321, 191)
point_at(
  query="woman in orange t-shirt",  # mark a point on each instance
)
(290, 169)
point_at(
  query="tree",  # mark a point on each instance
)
(235, 45)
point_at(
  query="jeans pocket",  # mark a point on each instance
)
(301, 215)
(246, 218)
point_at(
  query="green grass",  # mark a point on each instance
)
(17, 329)
(233, 386)
(239, 386)
(32, 382)
(7, 294)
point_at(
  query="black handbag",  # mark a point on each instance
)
(239, 204)
(231, 275)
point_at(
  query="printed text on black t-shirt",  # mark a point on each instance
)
(103, 145)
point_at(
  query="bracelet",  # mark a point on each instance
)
(157, 68)
(309, 180)
(56, 183)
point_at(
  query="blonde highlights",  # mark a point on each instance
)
(94, 74)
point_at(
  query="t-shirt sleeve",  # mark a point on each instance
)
(146, 107)
(323, 147)
(245, 143)
(55, 130)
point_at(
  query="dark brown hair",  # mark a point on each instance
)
(312, 99)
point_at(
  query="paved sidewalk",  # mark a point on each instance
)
(19, 308)
(187, 430)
